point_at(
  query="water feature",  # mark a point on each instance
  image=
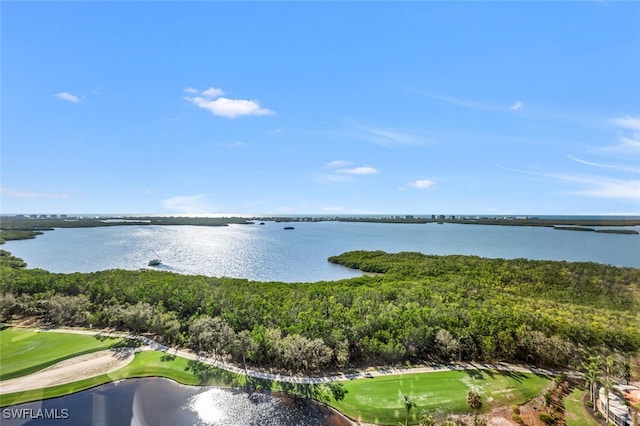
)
(158, 402)
(269, 253)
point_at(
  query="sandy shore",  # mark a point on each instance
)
(70, 370)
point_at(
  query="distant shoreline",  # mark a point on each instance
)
(603, 231)
(20, 227)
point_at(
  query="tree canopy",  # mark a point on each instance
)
(417, 307)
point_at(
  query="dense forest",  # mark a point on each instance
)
(411, 307)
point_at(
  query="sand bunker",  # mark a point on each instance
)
(70, 370)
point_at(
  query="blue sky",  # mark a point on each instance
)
(326, 108)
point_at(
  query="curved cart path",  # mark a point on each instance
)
(102, 362)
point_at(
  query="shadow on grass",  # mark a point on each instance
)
(210, 375)
(167, 358)
(324, 392)
(119, 342)
(515, 375)
(255, 384)
(478, 374)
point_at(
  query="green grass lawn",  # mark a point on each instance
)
(379, 400)
(575, 414)
(24, 351)
(145, 364)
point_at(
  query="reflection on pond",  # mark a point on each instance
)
(157, 402)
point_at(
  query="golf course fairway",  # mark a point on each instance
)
(380, 400)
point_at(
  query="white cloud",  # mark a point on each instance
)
(628, 122)
(230, 108)
(15, 193)
(602, 187)
(212, 101)
(187, 204)
(629, 144)
(65, 96)
(340, 173)
(465, 103)
(471, 104)
(421, 184)
(632, 144)
(190, 90)
(614, 188)
(365, 170)
(212, 92)
(606, 166)
(380, 136)
(387, 137)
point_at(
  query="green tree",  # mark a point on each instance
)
(242, 345)
(68, 310)
(591, 371)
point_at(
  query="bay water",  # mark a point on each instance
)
(270, 253)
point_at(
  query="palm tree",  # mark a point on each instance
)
(408, 404)
(591, 374)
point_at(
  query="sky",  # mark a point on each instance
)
(325, 108)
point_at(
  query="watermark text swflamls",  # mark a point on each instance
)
(33, 413)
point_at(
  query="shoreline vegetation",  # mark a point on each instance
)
(603, 231)
(409, 307)
(20, 227)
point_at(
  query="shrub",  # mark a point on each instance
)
(546, 419)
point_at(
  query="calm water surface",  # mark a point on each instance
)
(159, 402)
(270, 253)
